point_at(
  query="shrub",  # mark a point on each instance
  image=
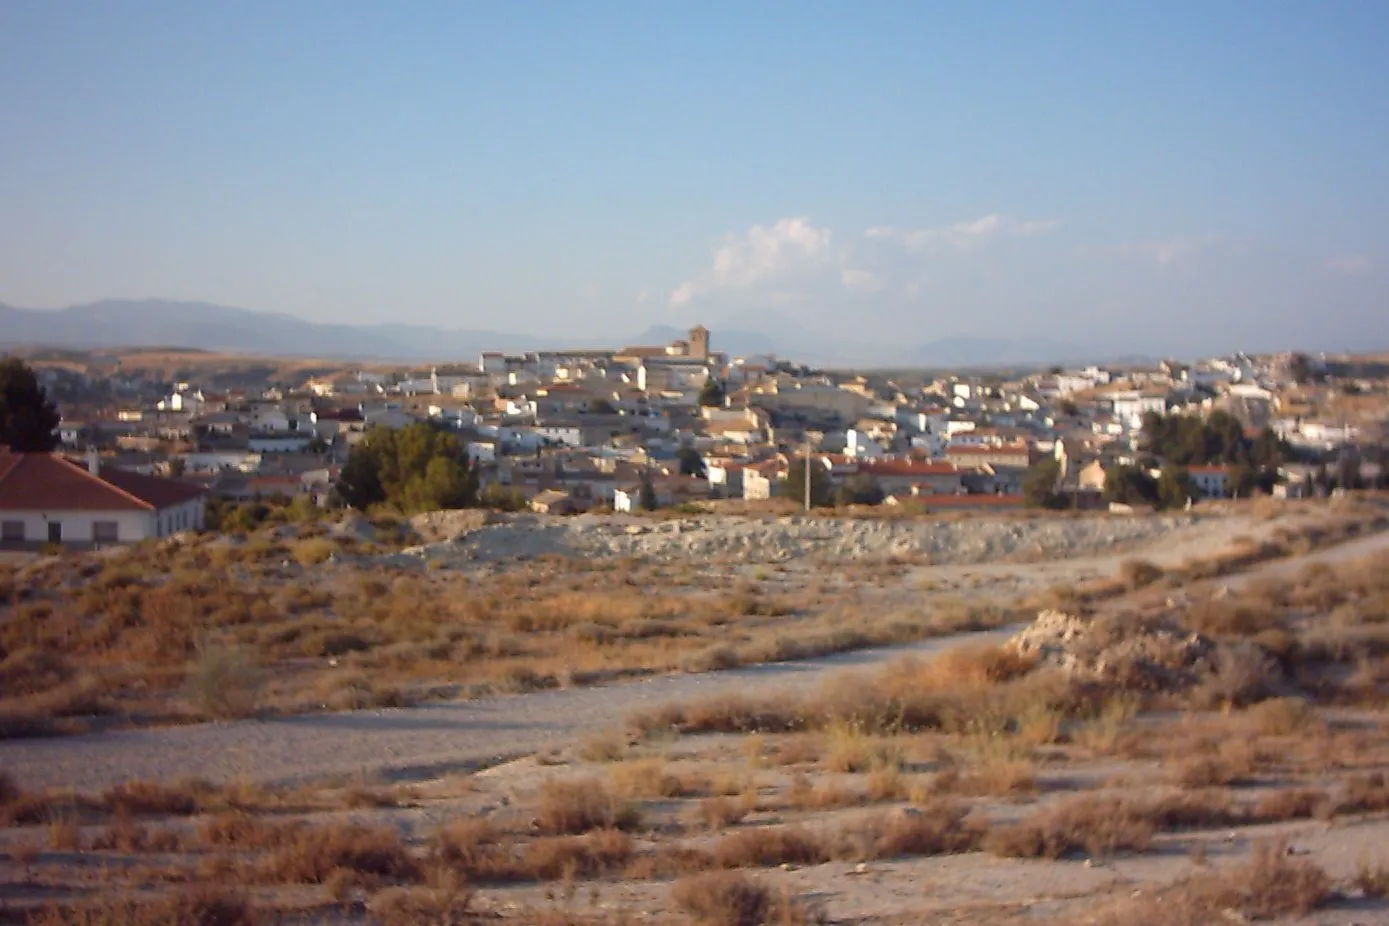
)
(315, 853)
(224, 682)
(1099, 826)
(203, 905)
(722, 899)
(645, 778)
(1138, 573)
(571, 807)
(586, 856)
(772, 845)
(408, 906)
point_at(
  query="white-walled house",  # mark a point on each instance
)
(47, 498)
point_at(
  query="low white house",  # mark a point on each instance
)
(47, 498)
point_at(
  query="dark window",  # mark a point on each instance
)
(12, 531)
(105, 532)
(55, 531)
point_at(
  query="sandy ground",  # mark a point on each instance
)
(422, 742)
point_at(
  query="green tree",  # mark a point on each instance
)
(712, 393)
(647, 498)
(416, 468)
(1130, 485)
(692, 463)
(821, 488)
(28, 417)
(1174, 487)
(1041, 487)
(859, 490)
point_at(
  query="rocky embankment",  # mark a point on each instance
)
(750, 539)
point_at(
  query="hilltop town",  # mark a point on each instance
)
(667, 425)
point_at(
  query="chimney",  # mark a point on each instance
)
(93, 461)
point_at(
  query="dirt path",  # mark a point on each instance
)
(423, 741)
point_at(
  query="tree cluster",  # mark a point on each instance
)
(416, 468)
(1134, 485)
(28, 417)
(1219, 440)
(1041, 486)
(821, 487)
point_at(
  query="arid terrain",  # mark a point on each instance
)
(1053, 719)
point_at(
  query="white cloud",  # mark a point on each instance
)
(764, 252)
(1349, 265)
(963, 235)
(1168, 251)
(863, 281)
(795, 260)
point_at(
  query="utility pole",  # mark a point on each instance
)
(807, 474)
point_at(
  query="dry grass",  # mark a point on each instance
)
(313, 855)
(1270, 885)
(1099, 826)
(572, 807)
(202, 905)
(733, 899)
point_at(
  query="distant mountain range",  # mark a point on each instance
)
(150, 322)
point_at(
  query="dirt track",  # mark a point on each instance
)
(421, 741)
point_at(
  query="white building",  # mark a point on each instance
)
(47, 498)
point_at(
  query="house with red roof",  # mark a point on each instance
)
(48, 498)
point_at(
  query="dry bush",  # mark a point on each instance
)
(1096, 825)
(200, 905)
(605, 746)
(1367, 793)
(1293, 804)
(937, 828)
(802, 794)
(241, 830)
(588, 856)
(1230, 617)
(224, 682)
(1271, 885)
(851, 749)
(645, 778)
(313, 854)
(64, 835)
(154, 798)
(723, 899)
(572, 807)
(764, 847)
(408, 906)
(1372, 878)
(1138, 573)
(1231, 763)
(718, 813)
(1281, 716)
(313, 551)
(887, 784)
(1241, 674)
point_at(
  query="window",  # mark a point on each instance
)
(12, 531)
(105, 532)
(55, 531)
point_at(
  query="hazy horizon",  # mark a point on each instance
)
(1124, 178)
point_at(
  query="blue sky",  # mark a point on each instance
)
(1131, 176)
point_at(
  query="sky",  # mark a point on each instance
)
(1136, 176)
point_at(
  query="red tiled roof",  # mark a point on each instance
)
(49, 482)
(908, 468)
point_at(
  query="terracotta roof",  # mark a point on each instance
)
(908, 468)
(49, 482)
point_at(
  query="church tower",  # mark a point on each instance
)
(699, 342)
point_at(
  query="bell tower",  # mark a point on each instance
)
(699, 342)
